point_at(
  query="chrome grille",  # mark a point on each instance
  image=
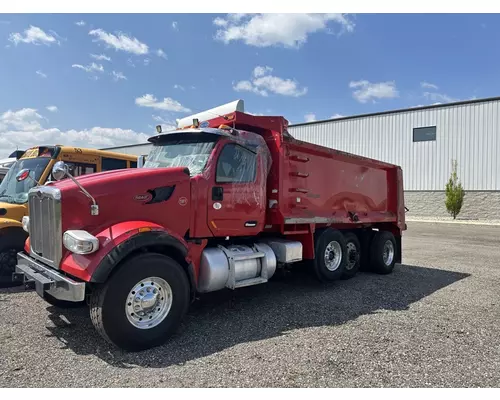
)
(45, 225)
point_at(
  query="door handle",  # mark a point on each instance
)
(217, 193)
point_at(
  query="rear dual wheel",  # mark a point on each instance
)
(339, 256)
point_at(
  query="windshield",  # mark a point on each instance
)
(15, 192)
(180, 154)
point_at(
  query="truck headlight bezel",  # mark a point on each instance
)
(80, 242)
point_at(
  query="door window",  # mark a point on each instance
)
(236, 165)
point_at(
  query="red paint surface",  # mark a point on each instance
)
(329, 183)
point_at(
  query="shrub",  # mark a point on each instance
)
(454, 192)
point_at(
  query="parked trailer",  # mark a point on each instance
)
(221, 204)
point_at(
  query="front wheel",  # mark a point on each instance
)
(11, 243)
(142, 303)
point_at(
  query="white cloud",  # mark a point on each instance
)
(310, 117)
(41, 74)
(220, 22)
(179, 87)
(100, 57)
(161, 53)
(80, 23)
(120, 41)
(130, 63)
(25, 119)
(90, 68)
(439, 97)
(146, 61)
(335, 116)
(175, 26)
(23, 129)
(287, 30)
(427, 85)
(34, 35)
(261, 71)
(168, 104)
(366, 91)
(52, 108)
(262, 83)
(118, 76)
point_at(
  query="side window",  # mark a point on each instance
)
(109, 164)
(236, 165)
(133, 164)
(78, 169)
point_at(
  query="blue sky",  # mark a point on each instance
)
(304, 67)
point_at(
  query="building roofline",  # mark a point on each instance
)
(458, 103)
(126, 146)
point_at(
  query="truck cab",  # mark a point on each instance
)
(221, 204)
(39, 162)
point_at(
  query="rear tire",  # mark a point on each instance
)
(330, 255)
(383, 252)
(142, 304)
(353, 261)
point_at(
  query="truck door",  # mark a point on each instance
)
(237, 190)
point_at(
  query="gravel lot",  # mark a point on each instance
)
(434, 322)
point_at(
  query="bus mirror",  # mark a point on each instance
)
(140, 161)
(22, 175)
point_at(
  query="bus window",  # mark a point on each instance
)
(78, 169)
(109, 164)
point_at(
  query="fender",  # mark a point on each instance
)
(10, 223)
(117, 242)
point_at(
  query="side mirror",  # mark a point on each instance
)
(140, 161)
(59, 170)
(22, 175)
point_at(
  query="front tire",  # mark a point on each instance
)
(330, 255)
(11, 243)
(142, 304)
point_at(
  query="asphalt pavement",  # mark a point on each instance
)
(434, 322)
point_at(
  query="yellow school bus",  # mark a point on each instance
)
(40, 160)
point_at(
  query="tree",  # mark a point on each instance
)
(454, 192)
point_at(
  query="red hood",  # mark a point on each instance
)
(125, 195)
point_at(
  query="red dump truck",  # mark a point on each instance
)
(219, 204)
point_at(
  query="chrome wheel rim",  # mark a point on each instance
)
(148, 303)
(333, 256)
(352, 255)
(388, 254)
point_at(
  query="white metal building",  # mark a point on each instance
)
(423, 141)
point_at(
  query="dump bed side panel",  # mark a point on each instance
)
(320, 185)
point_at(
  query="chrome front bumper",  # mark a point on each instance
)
(48, 280)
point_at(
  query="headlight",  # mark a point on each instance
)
(26, 223)
(80, 242)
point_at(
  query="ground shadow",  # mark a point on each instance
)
(223, 319)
